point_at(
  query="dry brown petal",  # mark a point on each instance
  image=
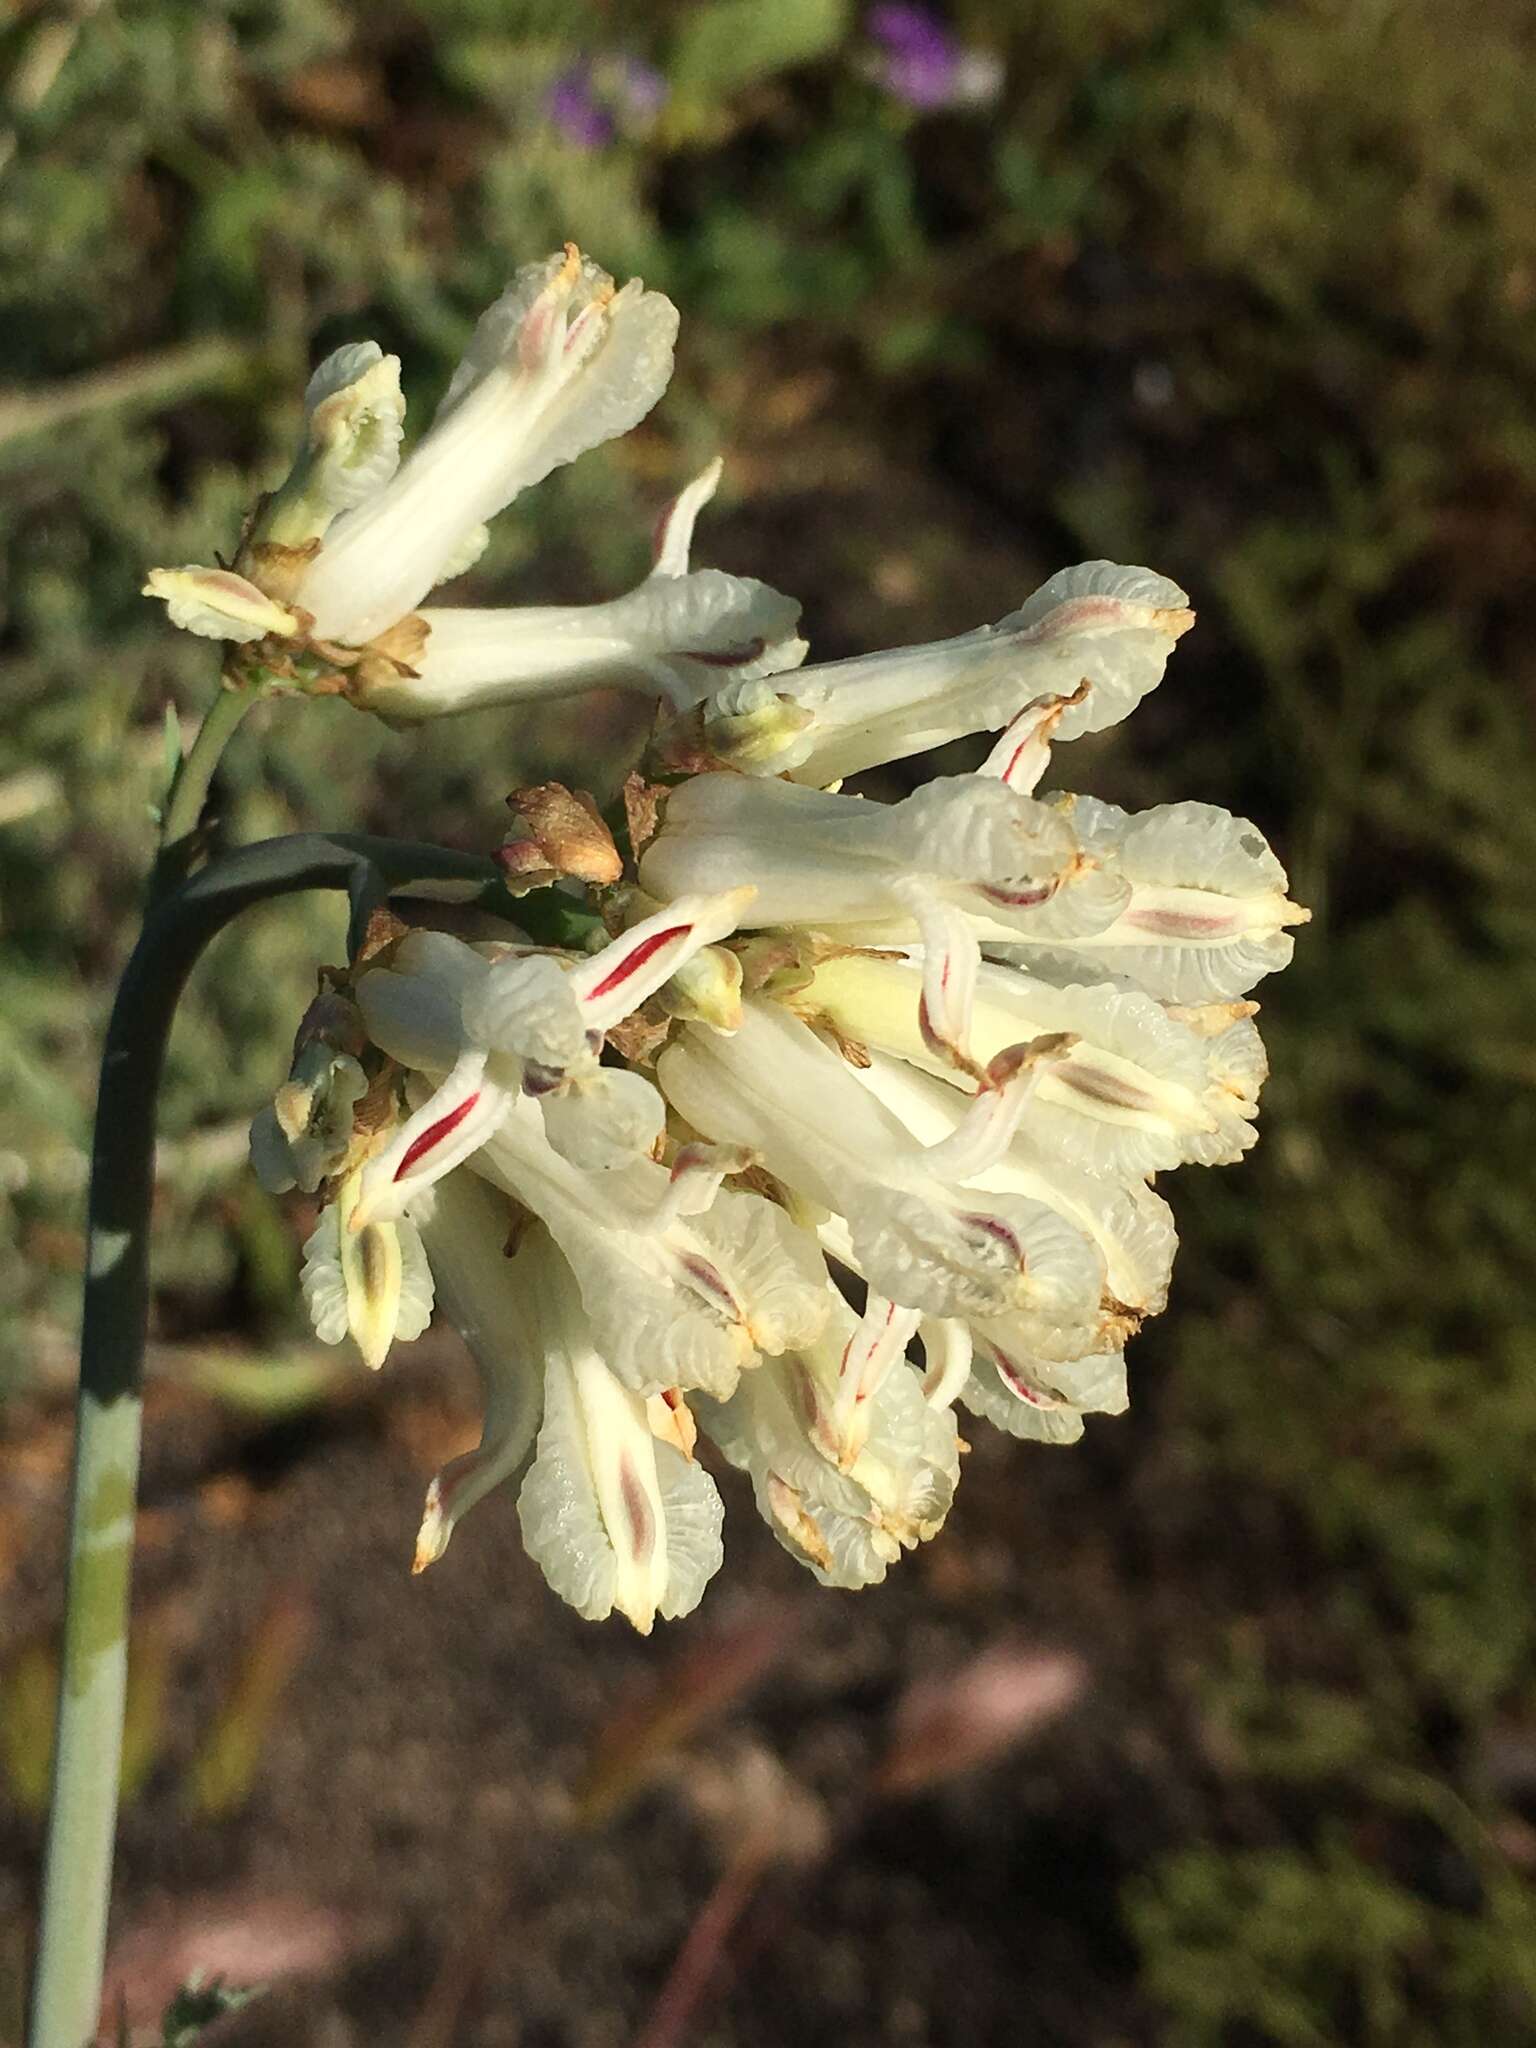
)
(403, 644)
(276, 568)
(642, 806)
(558, 832)
(640, 1036)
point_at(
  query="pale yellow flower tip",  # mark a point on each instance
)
(218, 605)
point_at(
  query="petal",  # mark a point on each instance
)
(612, 1518)
(527, 1007)
(612, 983)
(976, 1254)
(370, 1281)
(947, 1352)
(663, 1313)
(455, 1121)
(413, 1009)
(216, 604)
(1023, 751)
(672, 542)
(1208, 911)
(848, 1527)
(560, 363)
(1031, 1397)
(304, 1135)
(605, 1120)
(354, 415)
(874, 1349)
(483, 1295)
(1139, 1091)
(1119, 624)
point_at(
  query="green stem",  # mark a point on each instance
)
(77, 1875)
(189, 788)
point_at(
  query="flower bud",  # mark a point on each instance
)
(354, 415)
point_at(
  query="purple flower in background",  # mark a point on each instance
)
(574, 108)
(590, 102)
(921, 62)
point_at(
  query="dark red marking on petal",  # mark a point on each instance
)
(642, 1523)
(1184, 924)
(1013, 1378)
(995, 1228)
(708, 1281)
(1021, 898)
(1017, 756)
(1101, 1087)
(443, 1128)
(731, 658)
(646, 950)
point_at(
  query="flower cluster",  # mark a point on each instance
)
(830, 1115)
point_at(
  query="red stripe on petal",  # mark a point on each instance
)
(646, 950)
(443, 1128)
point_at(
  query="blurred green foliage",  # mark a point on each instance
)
(1244, 291)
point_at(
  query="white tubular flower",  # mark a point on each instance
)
(466, 1231)
(613, 1518)
(678, 1295)
(918, 1231)
(1100, 625)
(1137, 1093)
(216, 604)
(827, 861)
(371, 1283)
(528, 1024)
(847, 1525)
(1131, 1226)
(676, 633)
(354, 415)
(559, 364)
(1208, 909)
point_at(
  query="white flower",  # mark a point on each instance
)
(1139, 1090)
(466, 1230)
(848, 1524)
(369, 1281)
(613, 1518)
(918, 1231)
(671, 635)
(1098, 635)
(304, 1134)
(559, 364)
(530, 1025)
(826, 861)
(1207, 911)
(354, 416)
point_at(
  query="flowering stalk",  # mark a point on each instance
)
(782, 1040)
(93, 1676)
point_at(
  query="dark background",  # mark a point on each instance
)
(1243, 292)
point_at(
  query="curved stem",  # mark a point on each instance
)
(88, 1743)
